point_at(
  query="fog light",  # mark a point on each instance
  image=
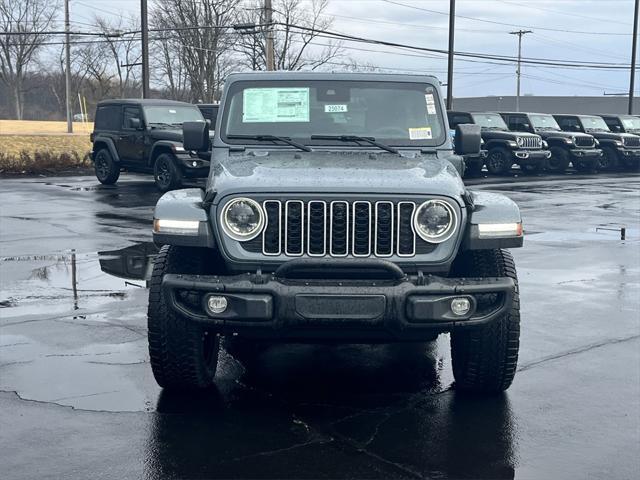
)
(194, 163)
(460, 306)
(216, 304)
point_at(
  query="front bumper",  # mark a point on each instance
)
(291, 307)
(585, 154)
(628, 153)
(530, 157)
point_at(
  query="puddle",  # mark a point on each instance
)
(73, 282)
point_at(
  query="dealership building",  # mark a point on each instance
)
(548, 104)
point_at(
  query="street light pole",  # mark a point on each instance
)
(520, 33)
(144, 26)
(67, 67)
(632, 79)
(268, 16)
(452, 25)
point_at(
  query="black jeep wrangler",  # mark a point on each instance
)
(580, 149)
(334, 212)
(626, 124)
(145, 136)
(504, 147)
(618, 149)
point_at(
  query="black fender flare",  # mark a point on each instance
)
(557, 142)
(493, 143)
(98, 144)
(161, 146)
(609, 142)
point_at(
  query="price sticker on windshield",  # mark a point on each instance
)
(422, 133)
(335, 108)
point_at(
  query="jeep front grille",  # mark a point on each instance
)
(338, 228)
(585, 141)
(531, 142)
(631, 141)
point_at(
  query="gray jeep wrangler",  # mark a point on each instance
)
(334, 212)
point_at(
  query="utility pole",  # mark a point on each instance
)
(268, 16)
(67, 67)
(144, 26)
(520, 33)
(452, 26)
(632, 79)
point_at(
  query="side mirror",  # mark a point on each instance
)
(195, 136)
(467, 140)
(135, 123)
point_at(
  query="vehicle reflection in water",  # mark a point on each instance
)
(133, 263)
(309, 411)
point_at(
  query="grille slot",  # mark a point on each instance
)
(339, 228)
(294, 227)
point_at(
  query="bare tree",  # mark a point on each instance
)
(193, 45)
(30, 19)
(295, 48)
(124, 50)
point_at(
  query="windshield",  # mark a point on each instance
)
(489, 120)
(392, 113)
(544, 121)
(594, 123)
(630, 123)
(172, 114)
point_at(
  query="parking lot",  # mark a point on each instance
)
(78, 399)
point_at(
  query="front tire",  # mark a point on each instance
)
(609, 159)
(107, 170)
(499, 161)
(485, 357)
(166, 173)
(184, 356)
(559, 160)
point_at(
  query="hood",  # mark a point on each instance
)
(504, 135)
(561, 134)
(609, 135)
(333, 172)
(175, 135)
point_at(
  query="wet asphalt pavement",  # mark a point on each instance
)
(78, 400)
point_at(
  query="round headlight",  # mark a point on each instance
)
(435, 221)
(520, 141)
(242, 219)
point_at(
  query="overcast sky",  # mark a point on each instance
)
(575, 30)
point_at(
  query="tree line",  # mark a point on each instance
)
(193, 47)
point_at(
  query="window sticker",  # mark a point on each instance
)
(335, 108)
(431, 103)
(272, 105)
(422, 133)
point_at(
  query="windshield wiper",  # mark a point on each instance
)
(355, 138)
(271, 138)
(163, 124)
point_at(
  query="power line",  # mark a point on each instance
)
(494, 22)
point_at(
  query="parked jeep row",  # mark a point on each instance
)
(543, 142)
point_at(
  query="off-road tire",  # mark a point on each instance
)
(631, 164)
(107, 170)
(485, 357)
(184, 356)
(166, 173)
(499, 161)
(559, 160)
(609, 160)
(584, 166)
